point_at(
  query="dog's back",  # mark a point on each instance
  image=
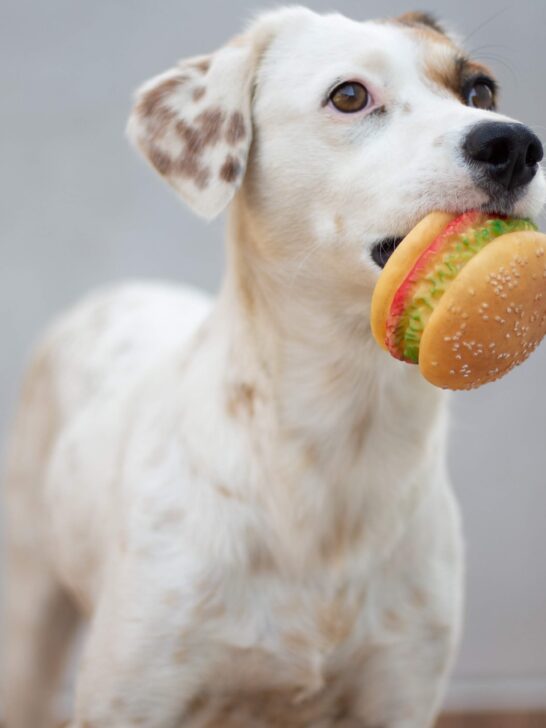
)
(95, 353)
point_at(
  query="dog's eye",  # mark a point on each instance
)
(350, 97)
(480, 96)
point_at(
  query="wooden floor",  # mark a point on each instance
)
(494, 720)
(488, 720)
(479, 720)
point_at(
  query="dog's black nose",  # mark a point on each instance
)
(503, 153)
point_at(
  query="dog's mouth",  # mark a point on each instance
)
(383, 250)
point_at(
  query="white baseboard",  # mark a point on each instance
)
(497, 693)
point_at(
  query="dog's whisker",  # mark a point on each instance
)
(486, 22)
(302, 260)
(489, 46)
(490, 57)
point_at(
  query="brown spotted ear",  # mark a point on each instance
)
(193, 123)
(421, 18)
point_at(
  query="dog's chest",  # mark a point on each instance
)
(288, 635)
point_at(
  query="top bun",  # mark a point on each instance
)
(492, 316)
(464, 297)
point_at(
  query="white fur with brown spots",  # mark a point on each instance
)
(246, 496)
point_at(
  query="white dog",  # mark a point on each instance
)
(246, 496)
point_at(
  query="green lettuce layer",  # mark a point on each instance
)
(446, 266)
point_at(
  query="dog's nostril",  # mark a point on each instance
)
(534, 154)
(496, 153)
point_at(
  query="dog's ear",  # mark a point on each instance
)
(419, 17)
(193, 123)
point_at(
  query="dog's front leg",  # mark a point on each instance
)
(403, 684)
(143, 660)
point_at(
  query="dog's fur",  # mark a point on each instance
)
(248, 497)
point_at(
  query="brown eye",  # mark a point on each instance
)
(480, 96)
(350, 97)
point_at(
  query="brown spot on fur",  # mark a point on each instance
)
(187, 166)
(230, 169)
(151, 101)
(343, 534)
(225, 492)
(339, 223)
(203, 65)
(418, 598)
(159, 122)
(198, 93)
(196, 705)
(205, 132)
(245, 288)
(445, 71)
(359, 433)
(335, 621)
(311, 454)
(190, 136)
(197, 138)
(241, 399)
(344, 708)
(407, 108)
(260, 560)
(421, 19)
(451, 71)
(236, 128)
(172, 598)
(297, 641)
(392, 620)
(426, 30)
(210, 126)
(170, 517)
(161, 161)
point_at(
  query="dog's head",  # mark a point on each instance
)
(340, 135)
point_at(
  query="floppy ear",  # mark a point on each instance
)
(193, 123)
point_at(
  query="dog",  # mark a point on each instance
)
(245, 498)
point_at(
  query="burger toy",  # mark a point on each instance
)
(464, 297)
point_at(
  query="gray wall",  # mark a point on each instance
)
(77, 208)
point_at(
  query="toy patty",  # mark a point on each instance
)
(464, 297)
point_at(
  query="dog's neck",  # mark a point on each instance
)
(304, 320)
(325, 408)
